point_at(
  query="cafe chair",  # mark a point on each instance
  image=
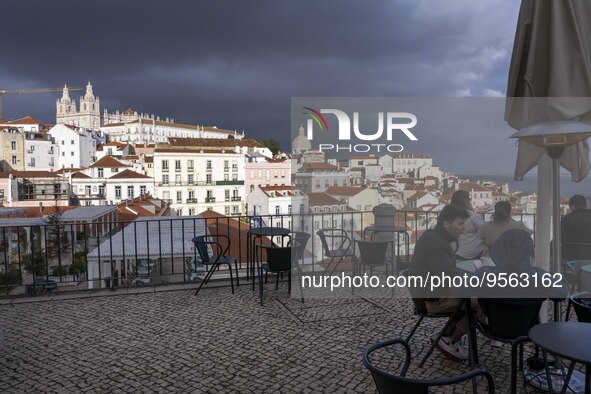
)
(572, 272)
(420, 309)
(337, 246)
(220, 256)
(372, 254)
(509, 321)
(301, 239)
(278, 261)
(398, 383)
(581, 303)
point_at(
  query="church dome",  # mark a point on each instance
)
(301, 143)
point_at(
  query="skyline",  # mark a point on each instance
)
(238, 65)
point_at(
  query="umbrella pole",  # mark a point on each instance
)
(555, 154)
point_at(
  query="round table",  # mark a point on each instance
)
(570, 340)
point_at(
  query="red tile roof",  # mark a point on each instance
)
(26, 120)
(80, 175)
(128, 174)
(108, 161)
(319, 199)
(37, 212)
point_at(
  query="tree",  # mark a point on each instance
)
(57, 236)
(273, 145)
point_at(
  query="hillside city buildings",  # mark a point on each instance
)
(126, 165)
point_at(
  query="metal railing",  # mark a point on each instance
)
(159, 250)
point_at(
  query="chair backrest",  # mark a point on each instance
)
(201, 245)
(582, 306)
(419, 302)
(386, 382)
(299, 240)
(338, 237)
(372, 253)
(509, 319)
(279, 259)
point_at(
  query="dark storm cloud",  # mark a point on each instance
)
(236, 64)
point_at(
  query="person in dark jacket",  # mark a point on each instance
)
(434, 255)
(576, 230)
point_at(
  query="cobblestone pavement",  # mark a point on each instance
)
(172, 341)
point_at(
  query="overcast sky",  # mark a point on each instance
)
(236, 64)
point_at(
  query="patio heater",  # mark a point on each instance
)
(554, 137)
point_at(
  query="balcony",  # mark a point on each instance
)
(208, 169)
(165, 169)
(209, 199)
(232, 182)
(236, 198)
(226, 169)
(177, 170)
(191, 201)
(135, 298)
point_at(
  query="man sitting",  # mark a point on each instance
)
(576, 230)
(433, 254)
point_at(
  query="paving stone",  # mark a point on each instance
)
(173, 341)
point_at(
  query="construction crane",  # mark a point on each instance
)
(21, 91)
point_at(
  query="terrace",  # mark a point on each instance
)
(88, 337)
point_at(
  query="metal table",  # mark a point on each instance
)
(569, 340)
(252, 236)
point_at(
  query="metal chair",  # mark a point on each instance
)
(581, 303)
(572, 271)
(278, 261)
(330, 238)
(509, 321)
(388, 383)
(372, 254)
(203, 243)
(420, 309)
(301, 238)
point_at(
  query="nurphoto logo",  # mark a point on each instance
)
(395, 122)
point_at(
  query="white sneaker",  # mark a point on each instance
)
(496, 343)
(452, 350)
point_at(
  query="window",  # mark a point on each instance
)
(130, 191)
(100, 172)
(71, 153)
(32, 148)
(13, 145)
(143, 189)
(114, 169)
(101, 190)
(234, 177)
(179, 196)
(226, 211)
(208, 165)
(166, 195)
(235, 209)
(14, 160)
(165, 179)
(63, 154)
(226, 177)
(177, 180)
(191, 195)
(190, 165)
(268, 174)
(71, 142)
(234, 165)
(251, 188)
(191, 211)
(208, 179)
(251, 173)
(191, 179)
(289, 209)
(63, 142)
(88, 191)
(260, 174)
(118, 192)
(165, 165)
(336, 182)
(227, 195)
(226, 165)
(275, 174)
(301, 208)
(177, 165)
(32, 162)
(277, 210)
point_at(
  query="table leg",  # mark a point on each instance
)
(472, 340)
(587, 379)
(548, 377)
(566, 381)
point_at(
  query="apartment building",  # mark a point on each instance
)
(197, 174)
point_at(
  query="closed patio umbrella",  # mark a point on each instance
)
(548, 103)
